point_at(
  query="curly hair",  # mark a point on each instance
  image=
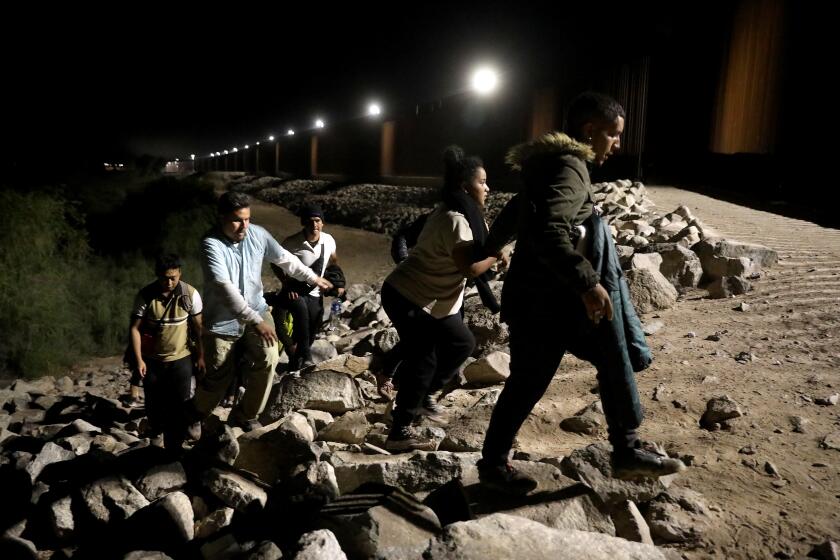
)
(458, 167)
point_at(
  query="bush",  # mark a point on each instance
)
(66, 295)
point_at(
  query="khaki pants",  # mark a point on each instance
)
(260, 361)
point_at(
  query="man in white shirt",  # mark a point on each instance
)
(236, 311)
(316, 249)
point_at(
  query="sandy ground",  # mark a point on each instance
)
(792, 328)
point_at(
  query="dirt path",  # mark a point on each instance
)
(793, 329)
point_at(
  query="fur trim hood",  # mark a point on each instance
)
(557, 143)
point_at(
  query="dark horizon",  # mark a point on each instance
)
(194, 86)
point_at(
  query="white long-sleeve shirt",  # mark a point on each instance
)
(233, 286)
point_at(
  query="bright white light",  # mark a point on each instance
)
(226, 152)
(192, 156)
(319, 123)
(120, 165)
(290, 132)
(176, 159)
(105, 164)
(485, 81)
(212, 154)
(246, 146)
(236, 149)
(271, 138)
(218, 154)
(374, 109)
(258, 143)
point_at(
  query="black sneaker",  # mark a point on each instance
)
(639, 464)
(505, 478)
(433, 411)
(405, 439)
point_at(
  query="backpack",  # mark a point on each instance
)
(180, 295)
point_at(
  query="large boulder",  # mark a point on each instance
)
(680, 266)
(272, 450)
(488, 370)
(418, 471)
(506, 536)
(319, 545)
(379, 520)
(161, 480)
(591, 465)
(650, 290)
(112, 498)
(351, 427)
(716, 246)
(234, 490)
(327, 390)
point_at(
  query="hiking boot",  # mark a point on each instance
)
(405, 439)
(505, 478)
(640, 463)
(432, 410)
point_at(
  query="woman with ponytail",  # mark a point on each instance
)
(423, 296)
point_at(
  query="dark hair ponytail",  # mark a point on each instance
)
(458, 168)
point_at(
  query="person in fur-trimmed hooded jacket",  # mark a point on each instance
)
(554, 300)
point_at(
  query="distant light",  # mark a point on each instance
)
(319, 123)
(176, 159)
(485, 81)
(374, 109)
(192, 156)
(290, 132)
(212, 154)
(271, 138)
(218, 154)
(236, 149)
(246, 146)
(120, 165)
(226, 152)
(258, 143)
(106, 164)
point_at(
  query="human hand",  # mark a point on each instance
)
(323, 283)
(266, 332)
(598, 304)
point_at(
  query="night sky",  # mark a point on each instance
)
(167, 81)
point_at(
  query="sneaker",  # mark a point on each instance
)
(639, 463)
(246, 425)
(432, 410)
(505, 478)
(405, 439)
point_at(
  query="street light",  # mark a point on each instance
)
(290, 132)
(246, 146)
(192, 156)
(226, 152)
(319, 123)
(485, 81)
(271, 138)
(235, 149)
(374, 109)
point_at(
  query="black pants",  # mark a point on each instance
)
(536, 348)
(167, 387)
(307, 315)
(432, 351)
